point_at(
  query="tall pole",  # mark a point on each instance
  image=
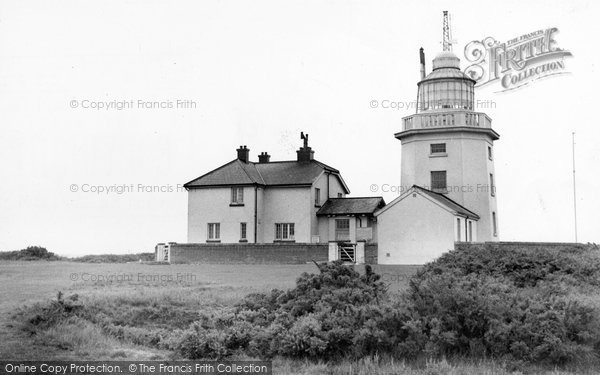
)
(574, 190)
(446, 33)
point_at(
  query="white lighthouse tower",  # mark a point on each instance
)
(447, 147)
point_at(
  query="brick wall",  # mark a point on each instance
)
(293, 253)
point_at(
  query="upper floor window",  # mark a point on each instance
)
(492, 187)
(317, 197)
(342, 229)
(284, 231)
(437, 148)
(214, 231)
(490, 153)
(237, 195)
(438, 181)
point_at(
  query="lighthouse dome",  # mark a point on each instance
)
(446, 59)
(446, 87)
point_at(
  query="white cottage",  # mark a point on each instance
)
(420, 225)
(300, 200)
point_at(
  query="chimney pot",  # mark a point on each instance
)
(243, 154)
(305, 153)
(264, 157)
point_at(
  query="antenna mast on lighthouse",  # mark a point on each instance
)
(447, 33)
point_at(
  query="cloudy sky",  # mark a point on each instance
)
(257, 73)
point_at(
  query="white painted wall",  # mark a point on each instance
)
(468, 168)
(211, 205)
(274, 205)
(287, 205)
(415, 230)
(320, 226)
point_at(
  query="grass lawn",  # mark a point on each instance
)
(148, 298)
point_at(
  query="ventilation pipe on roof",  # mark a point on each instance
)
(422, 57)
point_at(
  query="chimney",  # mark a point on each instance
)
(264, 157)
(242, 153)
(422, 57)
(305, 153)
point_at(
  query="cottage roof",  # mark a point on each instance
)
(351, 206)
(442, 199)
(276, 173)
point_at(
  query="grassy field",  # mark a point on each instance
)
(146, 299)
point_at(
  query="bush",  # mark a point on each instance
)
(481, 316)
(30, 253)
(493, 301)
(115, 258)
(330, 315)
(522, 266)
(47, 315)
(488, 304)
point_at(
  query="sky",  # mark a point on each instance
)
(194, 80)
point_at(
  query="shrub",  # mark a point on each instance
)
(333, 314)
(48, 315)
(497, 305)
(115, 258)
(500, 304)
(29, 253)
(522, 266)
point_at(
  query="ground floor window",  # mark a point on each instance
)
(214, 231)
(458, 229)
(243, 232)
(284, 231)
(494, 224)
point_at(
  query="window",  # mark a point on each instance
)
(284, 231)
(243, 232)
(494, 224)
(363, 222)
(492, 187)
(340, 195)
(490, 153)
(214, 231)
(438, 148)
(237, 195)
(317, 197)
(342, 229)
(438, 181)
(458, 229)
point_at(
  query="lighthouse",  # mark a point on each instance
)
(447, 146)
